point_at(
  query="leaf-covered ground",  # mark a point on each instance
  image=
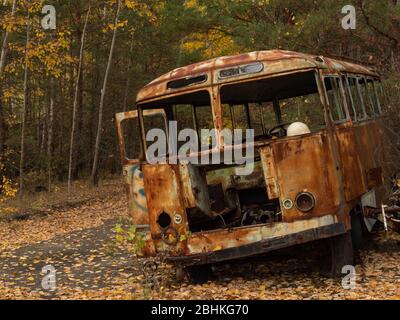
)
(79, 244)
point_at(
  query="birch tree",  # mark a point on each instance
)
(50, 133)
(24, 110)
(74, 108)
(2, 66)
(94, 175)
(128, 79)
(5, 42)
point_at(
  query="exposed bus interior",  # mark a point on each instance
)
(268, 106)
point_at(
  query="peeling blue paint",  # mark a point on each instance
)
(141, 191)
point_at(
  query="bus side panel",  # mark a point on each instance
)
(370, 141)
(164, 196)
(354, 178)
(136, 195)
(305, 164)
(375, 175)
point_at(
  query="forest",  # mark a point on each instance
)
(68, 67)
(60, 88)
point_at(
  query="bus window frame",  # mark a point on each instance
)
(276, 101)
(351, 98)
(343, 96)
(374, 84)
(383, 99)
(365, 84)
(213, 105)
(356, 78)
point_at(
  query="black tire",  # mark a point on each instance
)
(180, 274)
(199, 274)
(357, 231)
(342, 254)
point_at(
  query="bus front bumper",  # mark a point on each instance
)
(237, 248)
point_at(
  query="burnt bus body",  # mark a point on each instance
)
(305, 187)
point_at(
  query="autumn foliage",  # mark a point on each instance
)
(153, 37)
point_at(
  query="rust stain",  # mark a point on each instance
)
(335, 167)
(275, 61)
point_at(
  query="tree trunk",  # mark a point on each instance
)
(42, 124)
(2, 126)
(5, 43)
(24, 110)
(128, 79)
(94, 175)
(74, 112)
(50, 133)
(2, 66)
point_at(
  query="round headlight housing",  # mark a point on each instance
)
(305, 202)
(164, 221)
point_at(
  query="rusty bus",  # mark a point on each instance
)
(307, 185)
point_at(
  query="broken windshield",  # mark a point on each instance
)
(266, 104)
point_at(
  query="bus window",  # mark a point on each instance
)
(191, 111)
(349, 99)
(356, 99)
(374, 98)
(262, 118)
(306, 109)
(204, 120)
(268, 116)
(196, 118)
(130, 132)
(156, 121)
(257, 116)
(375, 95)
(257, 119)
(204, 117)
(366, 95)
(236, 117)
(387, 93)
(274, 101)
(183, 115)
(380, 91)
(335, 99)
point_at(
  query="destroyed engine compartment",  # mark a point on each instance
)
(235, 201)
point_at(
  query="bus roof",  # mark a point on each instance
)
(207, 73)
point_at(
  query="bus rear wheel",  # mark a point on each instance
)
(200, 274)
(342, 254)
(357, 230)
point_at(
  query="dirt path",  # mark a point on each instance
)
(88, 266)
(83, 260)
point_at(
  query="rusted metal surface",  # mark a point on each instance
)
(295, 165)
(136, 192)
(261, 247)
(165, 195)
(302, 164)
(194, 187)
(351, 166)
(270, 173)
(133, 175)
(370, 140)
(275, 62)
(332, 169)
(392, 216)
(227, 239)
(228, 179)
(132, 171)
